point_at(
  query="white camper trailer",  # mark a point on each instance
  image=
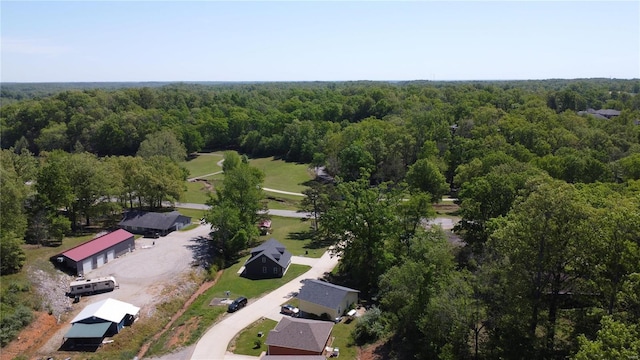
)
(92, 286)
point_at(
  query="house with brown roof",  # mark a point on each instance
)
(293, 336)
(97, 252)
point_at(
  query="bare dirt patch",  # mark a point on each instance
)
(179, 336)
(32, 337)
(375, 351)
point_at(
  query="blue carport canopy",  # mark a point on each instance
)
(87, 331)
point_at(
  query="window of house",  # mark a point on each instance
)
(264, 269)
(264, 259)
(275, 269)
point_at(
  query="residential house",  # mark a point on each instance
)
(268, 260)
(600, 114)
(320, 297)
(293, 336)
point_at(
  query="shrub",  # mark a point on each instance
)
(370, 327)
(12, 322)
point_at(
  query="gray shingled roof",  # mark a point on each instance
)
(272, 249)
(323, 293)
(150, 220)
(302, 334)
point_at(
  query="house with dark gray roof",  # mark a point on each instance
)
(144, 222)
(268, 260)
(293, 336)
(600, 114)
(320, 297)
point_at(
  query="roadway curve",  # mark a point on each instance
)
(213, 344)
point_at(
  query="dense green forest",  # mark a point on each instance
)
(549, 199)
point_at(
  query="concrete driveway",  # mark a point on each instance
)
(213, 344)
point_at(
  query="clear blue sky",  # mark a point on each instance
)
(55, 41)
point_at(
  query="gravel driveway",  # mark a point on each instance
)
(143, 274)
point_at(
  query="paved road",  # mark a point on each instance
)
(213, 344)
(282, 192)
(446, 223)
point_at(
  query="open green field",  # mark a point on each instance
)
(194, 214)
(245, 342)
(282, 204)
(281, 175)
(197, 193)
(295, 235)
(203, 164)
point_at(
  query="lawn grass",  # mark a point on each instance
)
(282, 204)
(203, 164)
(295, 235)
(284, 197)
(194, 214)
(245, 342)
(343, 339)
(206, 315)
(281, 175)
(196, 193)
(240, 286)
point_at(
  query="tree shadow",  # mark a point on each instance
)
(317, 242)
(201, 247)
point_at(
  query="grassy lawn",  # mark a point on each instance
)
(196, 193)
(203, 164)
(200, 315)
(194, 214)
(239, 286)
(245, 344)
(295, 235)
(343, 340)
(281, 204)
(281, 175)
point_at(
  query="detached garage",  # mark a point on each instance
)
(99, 320)
(97, 252)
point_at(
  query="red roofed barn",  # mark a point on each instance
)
(97, 252)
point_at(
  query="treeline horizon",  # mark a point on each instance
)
(549, 199)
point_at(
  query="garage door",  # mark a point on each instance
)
(86, 266)
(111, 254)
(100, 260)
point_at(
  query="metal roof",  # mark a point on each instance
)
(111, 310)
(87, 331)
(323, 293)
(96, 245)
(301, 334)
(152, 220)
